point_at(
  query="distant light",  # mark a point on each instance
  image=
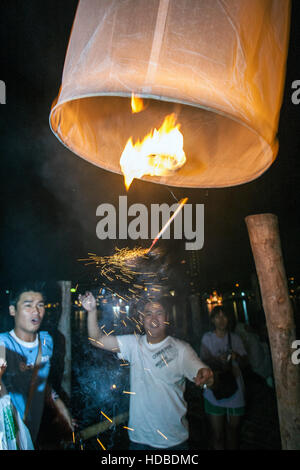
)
(73, 289)
(237, 285)
(116, 309)
(243, 293)
(232, 293)
(245, 311)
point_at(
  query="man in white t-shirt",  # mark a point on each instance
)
(159, 366)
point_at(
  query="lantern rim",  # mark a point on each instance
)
(270, 148)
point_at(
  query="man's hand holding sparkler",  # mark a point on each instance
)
(204, 378)
(88, 302)
(96, 335)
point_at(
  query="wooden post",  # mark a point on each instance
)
(64, 326)
(265, 243)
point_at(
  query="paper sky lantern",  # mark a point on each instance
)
(216, 66)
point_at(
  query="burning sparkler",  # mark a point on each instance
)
(181, 204)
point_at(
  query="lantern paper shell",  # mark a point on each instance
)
(218, 64)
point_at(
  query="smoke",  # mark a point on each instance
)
(98, 378)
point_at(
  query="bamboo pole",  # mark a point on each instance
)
(64, 327)
(101, 427)
(266, 247)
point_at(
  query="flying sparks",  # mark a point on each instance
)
(129, 429)
(95, 341)
(164, 360)
(101, 444)
(106, 416)
(121, 266)
(159, 432)
(126, 269)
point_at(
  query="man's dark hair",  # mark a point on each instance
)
(16, 293)
(216, 310)
(220, 308)
(163, 301)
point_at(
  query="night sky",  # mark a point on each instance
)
(49, 195)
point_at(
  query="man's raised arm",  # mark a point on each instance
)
(96, 337)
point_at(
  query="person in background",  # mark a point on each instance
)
(23, 345)
(258, 352)
(159, 366)
(224, 415)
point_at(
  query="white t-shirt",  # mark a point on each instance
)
(157, 381)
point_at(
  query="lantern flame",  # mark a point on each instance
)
(159, 153)
(137, 104)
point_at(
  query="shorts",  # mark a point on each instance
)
(222, 410)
